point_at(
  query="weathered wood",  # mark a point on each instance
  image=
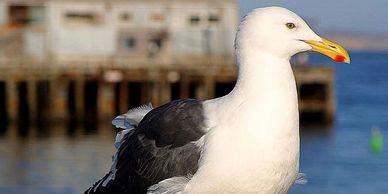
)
(106, 100)
(12, 102)
(123, 97)
(154, 85)
(321, 97)
(79, 98)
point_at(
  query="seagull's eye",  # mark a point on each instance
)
(290, 25)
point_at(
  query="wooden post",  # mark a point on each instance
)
(57, 106)
(154, 87)
(123, 97)
(11, 92)
(200, 90)
(153, 91)
(106, 101)
(79, 98)
(210, 86)
(164, 91)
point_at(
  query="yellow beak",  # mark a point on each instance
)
(330, 49)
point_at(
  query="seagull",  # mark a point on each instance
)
(244, 142)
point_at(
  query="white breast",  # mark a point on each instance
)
(244, 161)
(253, 142)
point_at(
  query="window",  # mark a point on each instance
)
(156, 17)
(194, 19)
(213, 19)
(157, 42)
(130, 43)
(18, 15)
(154, 46)
(83, 18)
(24, 15)
(125, 17)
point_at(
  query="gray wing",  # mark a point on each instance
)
(174, 124)
(161, 146)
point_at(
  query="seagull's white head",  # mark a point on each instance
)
(279, 31)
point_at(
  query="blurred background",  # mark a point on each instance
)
(68, 67)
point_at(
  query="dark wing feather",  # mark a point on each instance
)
(161, 147)
(175, 123)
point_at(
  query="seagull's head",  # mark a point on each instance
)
(279, 31)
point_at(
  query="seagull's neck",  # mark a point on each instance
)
(265, 91)
(265, 78)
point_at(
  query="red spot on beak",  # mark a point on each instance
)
(339, 58)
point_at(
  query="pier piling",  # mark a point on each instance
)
(88, 97)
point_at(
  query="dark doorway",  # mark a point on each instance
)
(135, 93)
(175, 91)
(23, 109)
(223, 88)
(316, 91)
(72, 109)
(193, 87)
(3, 107)
(18, 15)
(71, 101)
(43, 101)
(90, 105)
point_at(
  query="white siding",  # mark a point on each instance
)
(141, 12)
(3, 12)
(72, 39)
(183, 38)
(204, 37)
(34, 44)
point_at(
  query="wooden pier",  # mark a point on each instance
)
(317, 102)
(94, 93)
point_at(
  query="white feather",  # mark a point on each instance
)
(132, 118)
(173, 185)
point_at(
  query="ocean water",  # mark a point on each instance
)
(336, 159)
(339, 160)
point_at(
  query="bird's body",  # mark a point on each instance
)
(261, 145)
(244, 142)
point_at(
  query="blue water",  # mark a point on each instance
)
(339, 160)
(336, 159)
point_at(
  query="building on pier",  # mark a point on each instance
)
(83, 59)
(127, 31)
